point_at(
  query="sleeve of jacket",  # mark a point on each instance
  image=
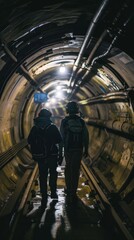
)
(86, 137)
(31, 135)
(56, 136)
(62, 130)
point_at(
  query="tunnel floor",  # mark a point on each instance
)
(61, 222)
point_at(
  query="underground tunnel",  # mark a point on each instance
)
(69, 51)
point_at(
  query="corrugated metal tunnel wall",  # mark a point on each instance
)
(32, 50)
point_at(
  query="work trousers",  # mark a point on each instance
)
(72, 170)
(48, 166)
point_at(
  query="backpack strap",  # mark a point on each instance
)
(48, 126)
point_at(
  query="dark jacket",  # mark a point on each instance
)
(43, 138)
(85, 134)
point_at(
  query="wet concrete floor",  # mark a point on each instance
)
(61, 222)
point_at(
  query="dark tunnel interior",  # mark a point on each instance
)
(93, 42)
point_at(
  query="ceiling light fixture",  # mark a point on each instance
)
(62, 69)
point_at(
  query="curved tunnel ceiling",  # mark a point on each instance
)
(36, 38)
(93, 39)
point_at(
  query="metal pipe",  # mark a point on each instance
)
(109, 97)
(110, 46)
(106, 53)
(103, 35)
(90, 30)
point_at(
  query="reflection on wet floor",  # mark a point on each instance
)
(61, 222)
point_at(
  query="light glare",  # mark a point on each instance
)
(58, 87)
(59, 94)
(62, 69)
(47, 104)
(53, 100)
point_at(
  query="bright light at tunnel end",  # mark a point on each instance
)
(62, 69)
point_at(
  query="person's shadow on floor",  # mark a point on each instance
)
(45, 224)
